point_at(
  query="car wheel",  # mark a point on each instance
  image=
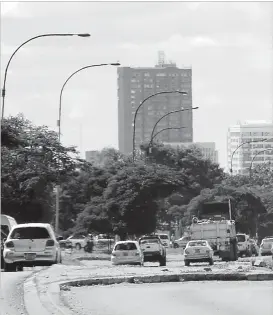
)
(187, 263)
(162, 261)
(78, 246)
(20, 268)
(211, 262)
(10, 267)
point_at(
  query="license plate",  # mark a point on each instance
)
(148, 254)
(197, 250)
(125, 254)
(30, 256)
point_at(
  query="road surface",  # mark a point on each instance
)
(12, 299)
(191, 298)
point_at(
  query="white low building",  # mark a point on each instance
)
(248, 144)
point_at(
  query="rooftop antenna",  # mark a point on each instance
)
(161, 58)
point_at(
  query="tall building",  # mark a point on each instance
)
(262, 133)
(136, 84)
(207, 149)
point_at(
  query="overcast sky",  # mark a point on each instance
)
(228, 45)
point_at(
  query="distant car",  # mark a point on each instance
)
(181, 242)
(127, 252)
(78, 241)
(198, 251)
(7, 222)
(265, 248)
(153, 249)
(164, 239)
(243, 244)
(254, 248)
(31, 244)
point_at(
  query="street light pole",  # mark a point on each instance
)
(239, 146)
(169, 128)
(172, 112)
(59, 132)
(254, 157)
(29, 40)
(146, 99)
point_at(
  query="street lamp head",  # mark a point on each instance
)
(83, 35)
(115, 64)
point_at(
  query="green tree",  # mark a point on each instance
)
(32, 161)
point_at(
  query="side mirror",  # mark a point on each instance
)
(59, 238)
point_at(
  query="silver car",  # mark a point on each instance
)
(31, 244)
(266, 245)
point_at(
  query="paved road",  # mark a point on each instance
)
(191, 298)
(12, 302)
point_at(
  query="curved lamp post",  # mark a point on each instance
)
(59, 131)
(169, 113)
(29, 40)
(146, 99)
(169, 128)
(247, 142)
(254, 157)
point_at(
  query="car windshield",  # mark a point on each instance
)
(241, 238)
(149, 241)
(164, 237)
(30, 233)
(126, 246)
(198, 243)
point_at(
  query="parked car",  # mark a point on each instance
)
(198, 251)
(127, 252)
(7, 223)
(266, 244)
(254, 248)
(165, 239)
(153, 249)
(181, 242)
(31, 244)
(243, 244)
(77, 240)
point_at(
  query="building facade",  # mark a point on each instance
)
(136, 84)
(242, 154)
(208, 149)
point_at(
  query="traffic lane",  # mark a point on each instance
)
(12, 294)
(191, 298)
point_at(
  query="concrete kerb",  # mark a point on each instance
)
(168, 278)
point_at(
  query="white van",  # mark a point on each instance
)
(244, 245)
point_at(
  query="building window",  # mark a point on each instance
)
(160, 74)
(146, 74)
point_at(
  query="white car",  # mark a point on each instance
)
(78, 241)
(181, 242)
(127, 252)
(198, 251)
(164, 239)
(31, 244)
(265, 248)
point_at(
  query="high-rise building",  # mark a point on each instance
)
(136, 84)
(207, 149)
(249, 153)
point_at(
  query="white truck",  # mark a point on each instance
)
(219, 230)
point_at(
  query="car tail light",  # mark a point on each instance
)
(187, 251)
(137, 254)
(114, 254)
(207, 251)
(9, 244)
(50, 243)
